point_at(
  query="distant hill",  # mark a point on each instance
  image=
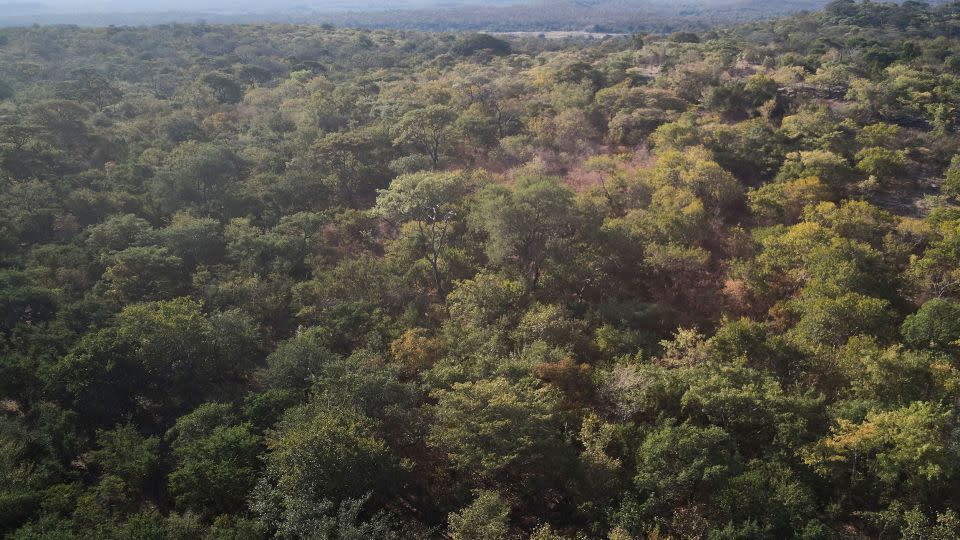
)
(592, 15)
(496, 15)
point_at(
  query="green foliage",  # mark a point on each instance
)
(951, 183)
(22, 302)
(224, 87)
(295, 362)
(498, 430)
(676, 463)
(903, 448)
(936, 324)
(474, 43)
(428, 129)
(215, 473)
(526, 224)
(486, 518)
(197, 175)
(167, 353)
(321, 452)
(831, 321)
(430, 200)
(126, 455)
(290, 281)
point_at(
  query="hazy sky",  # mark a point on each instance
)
(232, 5)
(427, 13)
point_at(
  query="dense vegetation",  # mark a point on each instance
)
(306, 282)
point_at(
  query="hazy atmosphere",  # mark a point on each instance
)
(619, 15)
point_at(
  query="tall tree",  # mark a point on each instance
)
(432, 201)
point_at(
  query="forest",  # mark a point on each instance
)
(302, 281)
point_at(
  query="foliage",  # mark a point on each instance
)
(293, 281)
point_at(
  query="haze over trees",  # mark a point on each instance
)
(290, 281)
(436, 15)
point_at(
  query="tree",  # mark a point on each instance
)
(93, 87)
(354, 164)
(783, 202)
(196, 174)
(119, 232)
(499, 431)
(525, 224)
(752, 407)
(225, 87)
(428, 129)
(156, 360)
(22, 302)
(881, 163)
(695, 170)
(893, 376)
(841, 8)
(430, 200)
(934, 272)
(483, 312)
(474, 43)
(143, 274)
(678, 464)
(125, 454)
(901, 453)
(830, 168)
(64, 121)
(826, 321)
(295, 362)
(684, 37)
(215, 473)
(321, 455)
(936, 324)
(194, 240)
(486, 518)
(951, 182)
(768, 496)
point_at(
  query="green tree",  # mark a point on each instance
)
(429, 129)
(119, 232)
(91, 86)
(295, 362)
(142, 274)
(902, 453)
(496, 430)
(353, 164)
(678, 464)
(525, 225)
(195, 174)
(486, 518)
(936, 324)
(125, 454)
(951, 181)
(431, 200)
(224, 86)
(826, 321)
(215, 473)
(22, 302)
(321, 461)
(156, 360)
(881, 163)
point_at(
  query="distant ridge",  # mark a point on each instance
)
(502, 15)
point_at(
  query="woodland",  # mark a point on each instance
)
(303, 281)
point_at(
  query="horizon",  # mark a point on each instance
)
(495, 15)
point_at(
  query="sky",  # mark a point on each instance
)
(140, 6)
(422, 14)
